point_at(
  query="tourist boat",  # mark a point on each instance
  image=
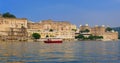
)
(53, 40)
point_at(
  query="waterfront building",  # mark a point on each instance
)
(21, 27)
(84, 27)
(8, 24)
(99, 31)
(17, 34)
(84, 30)
(110, 35)
(58, 29)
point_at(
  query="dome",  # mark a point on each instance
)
(80, 25)
(86, 24)
(103, 25)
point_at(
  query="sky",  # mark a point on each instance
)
(78, 12)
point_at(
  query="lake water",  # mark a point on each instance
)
(67, 52)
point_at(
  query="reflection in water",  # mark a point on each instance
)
(77, 52)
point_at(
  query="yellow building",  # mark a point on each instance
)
(100, 31)
(84, 27)
(107, 35)
(59, 29)
(7, 23)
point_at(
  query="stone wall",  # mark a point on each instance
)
(101, 31)
(7, 23)
(110, 36)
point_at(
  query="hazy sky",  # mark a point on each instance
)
(92, 12)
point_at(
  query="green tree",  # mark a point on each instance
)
(8, 15)
(91, 37)
(86, 30)
(100, 37)
(36, 36)
(108, 29)
(118, 36)
(80, 37)
(81, 31)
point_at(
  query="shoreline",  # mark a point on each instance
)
(63, 40)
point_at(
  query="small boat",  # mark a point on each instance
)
(53, 41)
